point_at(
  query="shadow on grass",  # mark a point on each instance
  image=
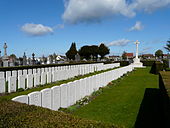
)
(151, 113)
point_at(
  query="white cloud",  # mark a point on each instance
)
(149, 5)
(94, 10)
(36, 29)
(121, 42)
(137, 27)
(77, 11)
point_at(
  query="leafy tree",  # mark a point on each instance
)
(88, 51)
(72, 51)
(13, 56)
(124, 57)
(159, 53)
(85, 52)
(167, 47)
(103, 50)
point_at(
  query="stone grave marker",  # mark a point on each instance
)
(21, 99)
(8, 74)
(49, 77)
(29, 71)
(34, 70)
(55, 98)
(21, 82)
(2, 75)
(43, 78)
(63, 97)
(46, 98)
(11, 84)
(29, 81)
(24, 72)
(35, 98)
(2, 85)
(36, 79)
(14, 73)
(19, 72)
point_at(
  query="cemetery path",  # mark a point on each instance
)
(134, 98)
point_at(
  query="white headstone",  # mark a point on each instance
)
(35, 98)
(63, 97)
(29, 71)
(36, 79)
(14, 73)
(11, 84)
(21, 99)
(46, 98)
(19, 72)
(29, 81)
(2, 85)
(39, 70)
(2, 75)
(34, 70)
(46, 69)
(42, 70)
(21, 82)
(43, 78)
(49, 75)
(24, 72)
(8, 74)
(55, 97)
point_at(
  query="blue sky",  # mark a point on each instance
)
(48, 26)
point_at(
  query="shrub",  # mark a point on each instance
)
(148, 62)
(156, 67)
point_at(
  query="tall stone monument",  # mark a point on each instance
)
(136, 60)
(5, 58)
(24, 59)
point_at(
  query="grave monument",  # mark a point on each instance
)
(136, 60)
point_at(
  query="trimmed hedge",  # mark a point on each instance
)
(17, 115)
(148, 62)
(156, 67)
(123, 63)
(44, 66)
(164, 85)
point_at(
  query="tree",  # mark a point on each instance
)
(103, 50)
(88, 51)
(72, 51)
(167, 47)
(159, 53)
(124, 57)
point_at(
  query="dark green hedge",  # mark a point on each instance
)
(156, 67)
(17, 115)
(43, 66)
(148, 62)
(164, 85)
(123, 63)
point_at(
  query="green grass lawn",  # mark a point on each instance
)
(120, 104)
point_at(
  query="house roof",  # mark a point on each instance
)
(148, 55)
(129, 54)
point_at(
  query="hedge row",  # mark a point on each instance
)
(164, 85)
(44, 66)
(156, 67)
(17, 115)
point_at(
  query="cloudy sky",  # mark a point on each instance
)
(48, 26)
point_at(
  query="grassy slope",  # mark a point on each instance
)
(120, 104)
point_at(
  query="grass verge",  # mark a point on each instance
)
(120, 103)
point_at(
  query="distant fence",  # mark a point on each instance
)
(10, 81)
(66, 95)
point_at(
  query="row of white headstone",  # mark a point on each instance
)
(66, 95)
(33, 79)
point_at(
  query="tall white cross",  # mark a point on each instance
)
(137, 42)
